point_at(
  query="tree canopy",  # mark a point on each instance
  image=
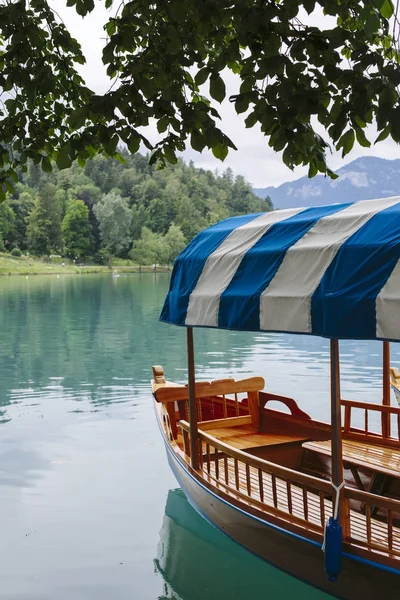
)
(130, 209)
(167, 61)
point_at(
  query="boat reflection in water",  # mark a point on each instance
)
(198, 562)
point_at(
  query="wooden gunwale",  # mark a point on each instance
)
(260, 463)
(294, 500)
(371, 406)
(368, 498)
(310, 511)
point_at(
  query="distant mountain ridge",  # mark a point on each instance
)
(363, 179)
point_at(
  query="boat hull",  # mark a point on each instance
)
(297, 556)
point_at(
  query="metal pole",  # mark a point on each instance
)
(386, 389)
(336, 425)
(194, 455)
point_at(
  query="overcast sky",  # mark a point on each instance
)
(253, 159)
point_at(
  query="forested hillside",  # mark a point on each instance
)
(125, 210)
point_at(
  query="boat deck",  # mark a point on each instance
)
(296, 503)
(245, 437)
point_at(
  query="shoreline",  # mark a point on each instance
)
(10, 266)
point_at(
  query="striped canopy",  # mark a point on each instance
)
(331, 271)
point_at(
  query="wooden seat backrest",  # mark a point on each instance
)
(206, 389)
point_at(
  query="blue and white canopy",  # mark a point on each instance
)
(331, 271)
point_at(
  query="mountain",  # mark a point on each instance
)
(363, 179)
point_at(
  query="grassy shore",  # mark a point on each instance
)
(10, 265)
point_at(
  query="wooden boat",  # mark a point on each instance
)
(277, 481)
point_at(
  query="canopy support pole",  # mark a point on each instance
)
(386, 389)
(194, 455)
(336, 426)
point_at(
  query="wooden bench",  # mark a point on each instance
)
(376, 458)
(245, 437)
(170, 393)
(382, 461)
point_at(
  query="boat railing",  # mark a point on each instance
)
(373, 534)
(304, 499)
(368, 410)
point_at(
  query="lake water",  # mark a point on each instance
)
(89, 508)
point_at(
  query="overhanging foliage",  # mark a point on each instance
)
(170, 60)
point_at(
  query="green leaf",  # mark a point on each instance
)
(383, 134)
(346, 142)
(162, 124)
(252, 119)
(241, 104)
(388, 97)
(110, 27)
(170, 155)
(312, 170)
(202, 76)
(331, 174)
(387, 9)
(9, 187)
(372, 24)
(197, 140)
(280, 142)
(395, 125)
(220, 151)
(63, 158)
(46, 165)
(309, 5)
(154, 156)
(217, 87)
(78, 117)
(133, 143)
(362, 139)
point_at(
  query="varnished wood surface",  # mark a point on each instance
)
(313, 518)
(368, 537)
(260, 463)
(205, 389)
(245, 437)
(229, 422)
(357, 581)
(395, 377)
(379, 458)
(290, 403)
(394, 410)
(156, 385)
(386, 425)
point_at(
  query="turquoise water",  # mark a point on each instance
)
(89, 508)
